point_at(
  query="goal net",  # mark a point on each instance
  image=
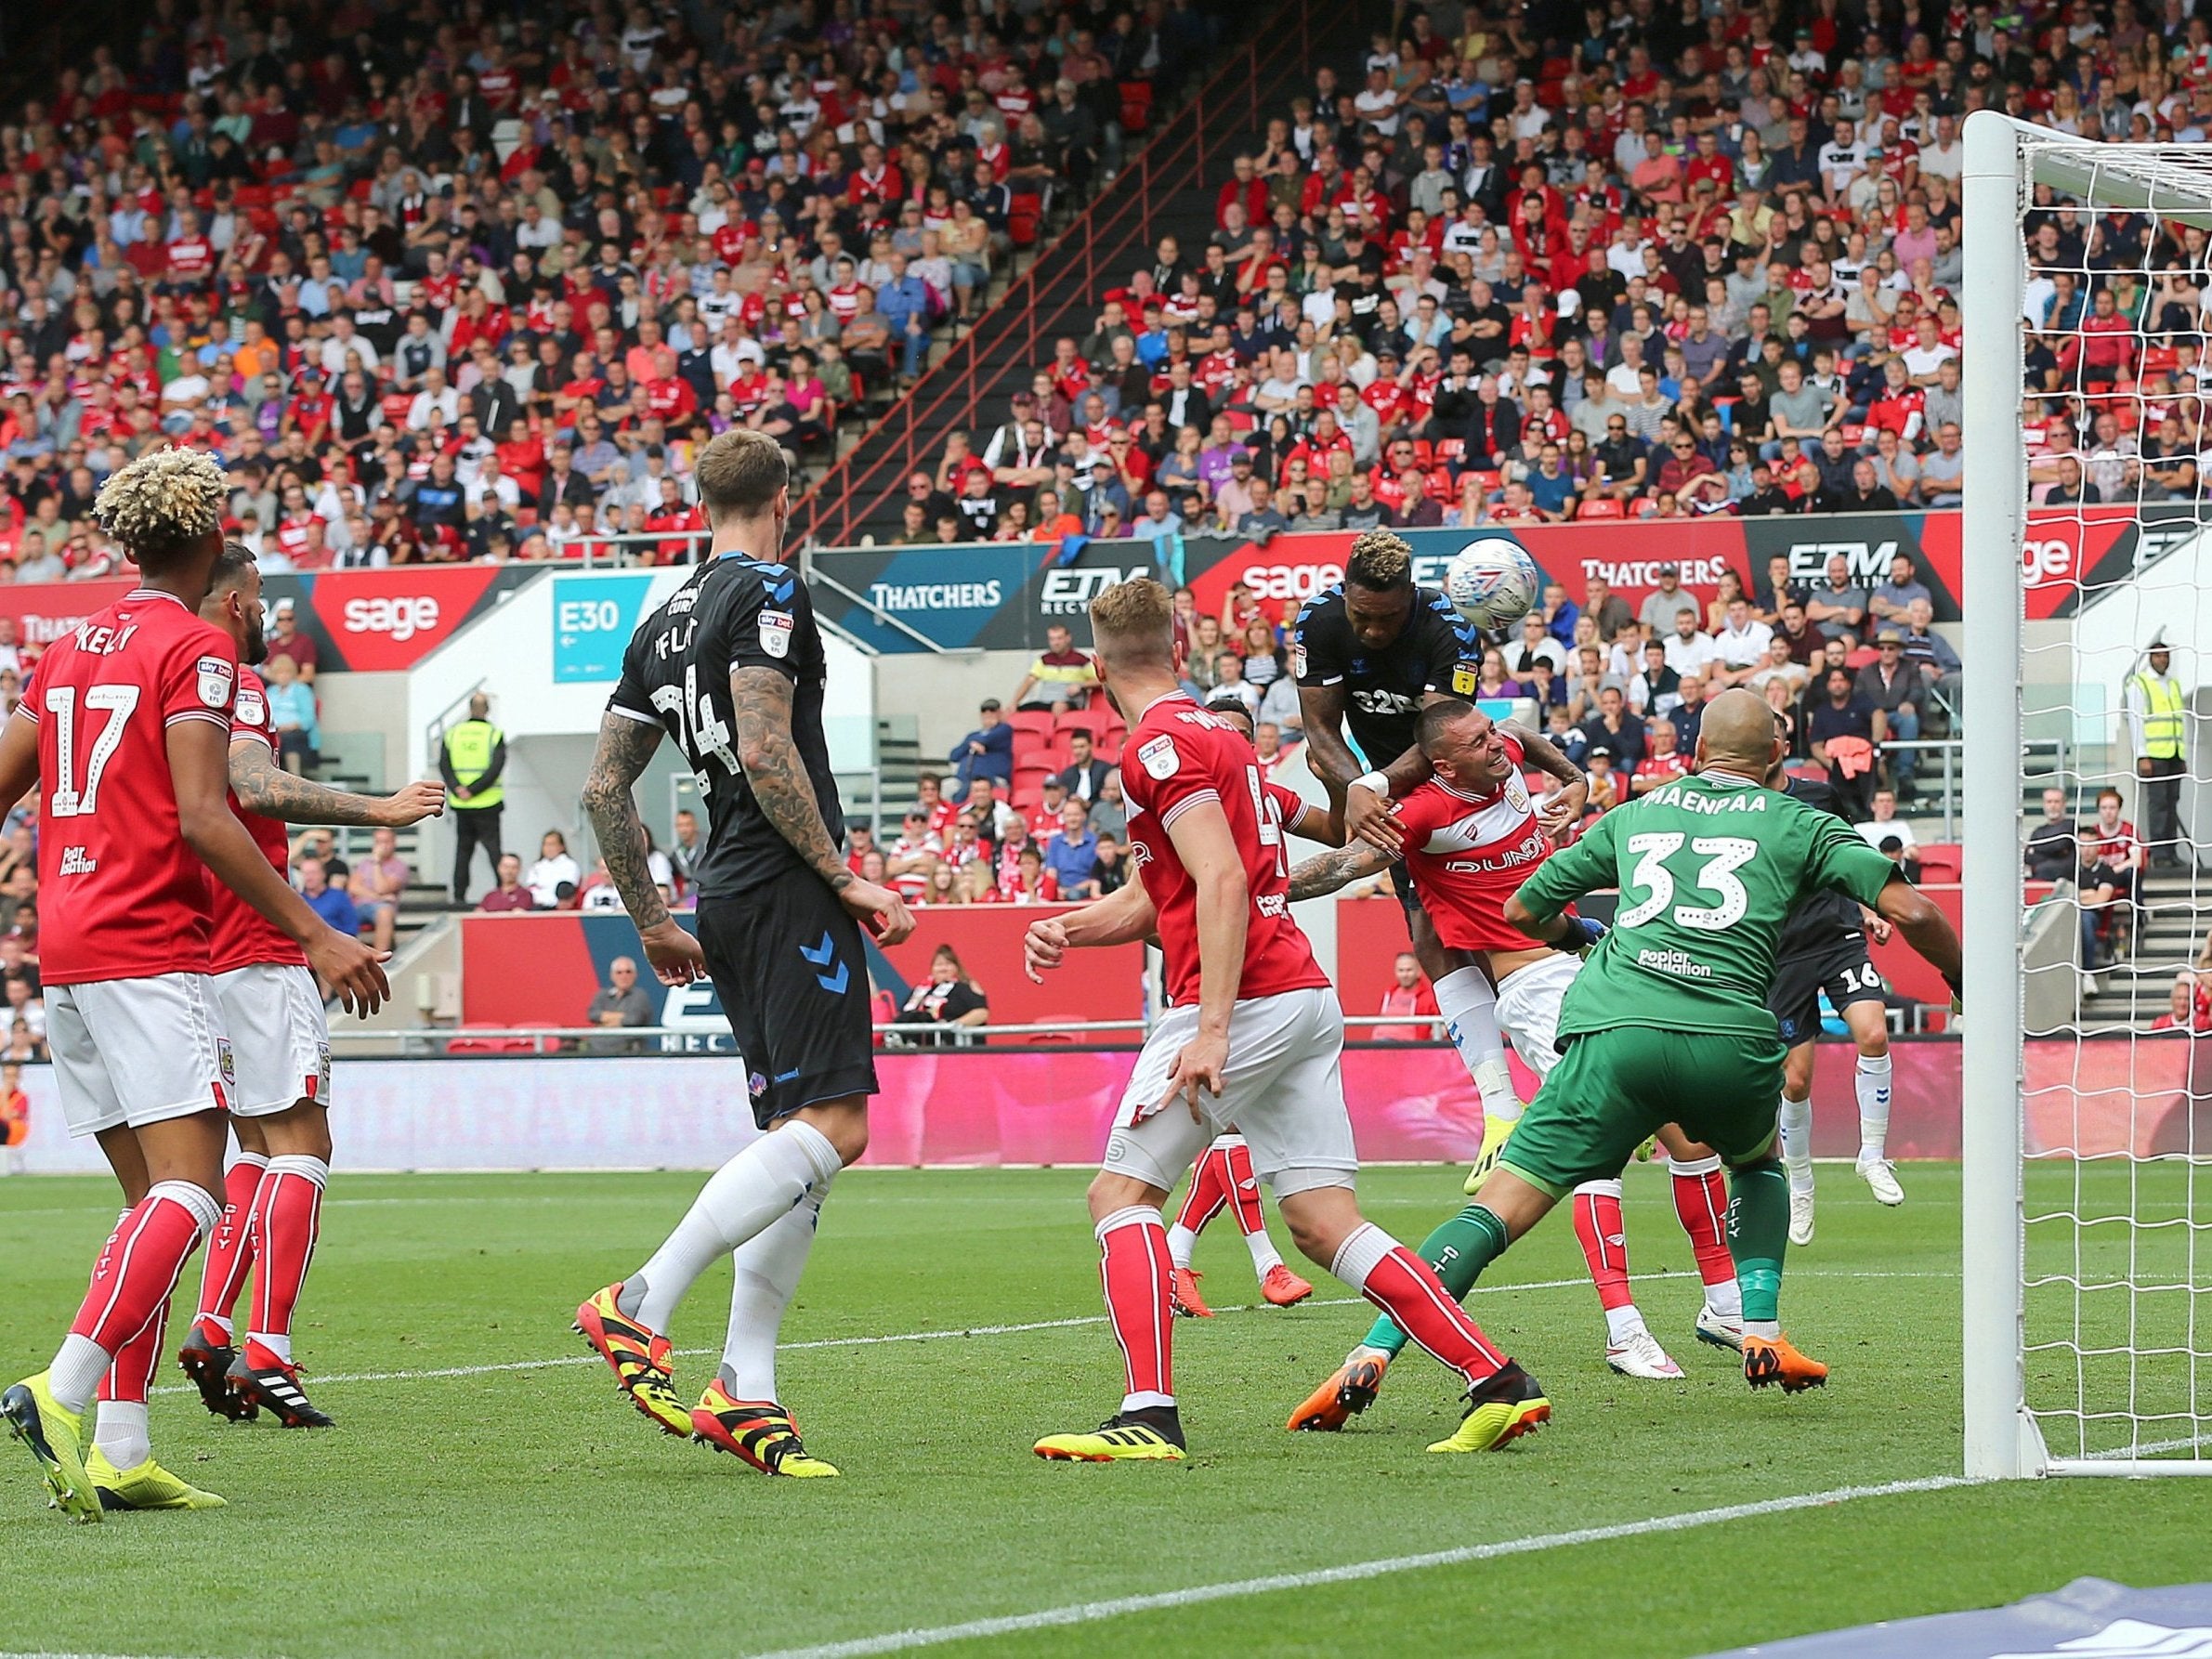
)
(2087, 596)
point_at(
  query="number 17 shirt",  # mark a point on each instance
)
(121, 896)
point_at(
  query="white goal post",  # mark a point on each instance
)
(2076, 1399)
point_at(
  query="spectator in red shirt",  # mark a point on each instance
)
(510, 895)
(1410, 993)
(2112, 869)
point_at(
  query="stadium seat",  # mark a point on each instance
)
(1093, 721)
(1031, 720)
(1941, 865)
(1601, 507)
(1136, 106)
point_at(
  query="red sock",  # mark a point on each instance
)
(1135, 1269)
(131, 1376)
(1605, 1243)
(1406, 1288)
(287, 1215)
(140, 1265)
(230, 1246)
(1701, 1204)
(1244, 1187)
(1208, 1191)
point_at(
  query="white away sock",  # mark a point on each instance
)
(756, 1188)
(121, 1433)
(1796, 1143)
(1872, 1079)
(1181, 1242)
(1623, 1323)
(1266, 1257)
(1470, 1009)
(768, 1266)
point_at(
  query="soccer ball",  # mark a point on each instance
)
(1492, 583)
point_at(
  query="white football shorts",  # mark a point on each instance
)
(1282, 1090)
(279, 1036)
(139, 1051)
(1528, 1009)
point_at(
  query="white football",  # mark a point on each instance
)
(1492, 583)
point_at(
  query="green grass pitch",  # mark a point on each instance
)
(530, 1511)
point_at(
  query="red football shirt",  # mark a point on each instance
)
(122, 895)
(1468, 853)
(242, 938)
(1178, 757)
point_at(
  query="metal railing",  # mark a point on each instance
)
(1104, 234)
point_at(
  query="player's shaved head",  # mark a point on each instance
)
(1738, 735)
(233, 602)
(1463, 744)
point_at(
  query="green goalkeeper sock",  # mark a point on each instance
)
(1758, 1235)
(1458, 1251)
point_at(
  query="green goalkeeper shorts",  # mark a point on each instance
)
(1612, 1090)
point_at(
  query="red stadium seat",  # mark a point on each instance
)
(1093, 721)
(1136, 105)
(1031, 720)
(1602, 506)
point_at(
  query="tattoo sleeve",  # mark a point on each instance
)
(761, 698)
(1327, 873)
(264, 787)
(1544, 755)
(625, 747)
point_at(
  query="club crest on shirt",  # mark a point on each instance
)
(216, 679)
(775, 633)
(1158, 757)
(251, 710)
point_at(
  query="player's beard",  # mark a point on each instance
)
(256, 647)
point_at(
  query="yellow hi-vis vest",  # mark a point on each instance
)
(2162, 716)
(469, 747)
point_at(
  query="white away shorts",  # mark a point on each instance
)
(279, 1036)
(1528, 1009)
(1282, 1090)
(139, 1051)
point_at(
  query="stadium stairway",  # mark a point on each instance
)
(2170, 923)
(1166, 187)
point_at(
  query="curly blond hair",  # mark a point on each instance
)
(164, 504)
(1379, 561)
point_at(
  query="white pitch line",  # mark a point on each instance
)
(1086, 1613)
(1002, 1330)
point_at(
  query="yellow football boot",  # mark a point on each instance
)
(1501, 1408)
(55, 1438)
(148, 1486)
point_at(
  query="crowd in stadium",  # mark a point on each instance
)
(453, 289)
(435, 291)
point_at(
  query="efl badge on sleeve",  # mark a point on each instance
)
(216, 679)
(775, 633)
(1158, 757)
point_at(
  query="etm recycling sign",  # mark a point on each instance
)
(593, 619)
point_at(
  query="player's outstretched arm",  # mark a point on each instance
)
(1925, 927)
(1564, 808)
(266, 787)
(200, 772)
(1331, 872)
(625, 748)
(761, 699)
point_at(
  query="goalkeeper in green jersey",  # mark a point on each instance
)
(1667, 1020)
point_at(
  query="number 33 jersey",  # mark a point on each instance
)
(121, 896)
(737, 613)
(1176, 757)
(1708, 868)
